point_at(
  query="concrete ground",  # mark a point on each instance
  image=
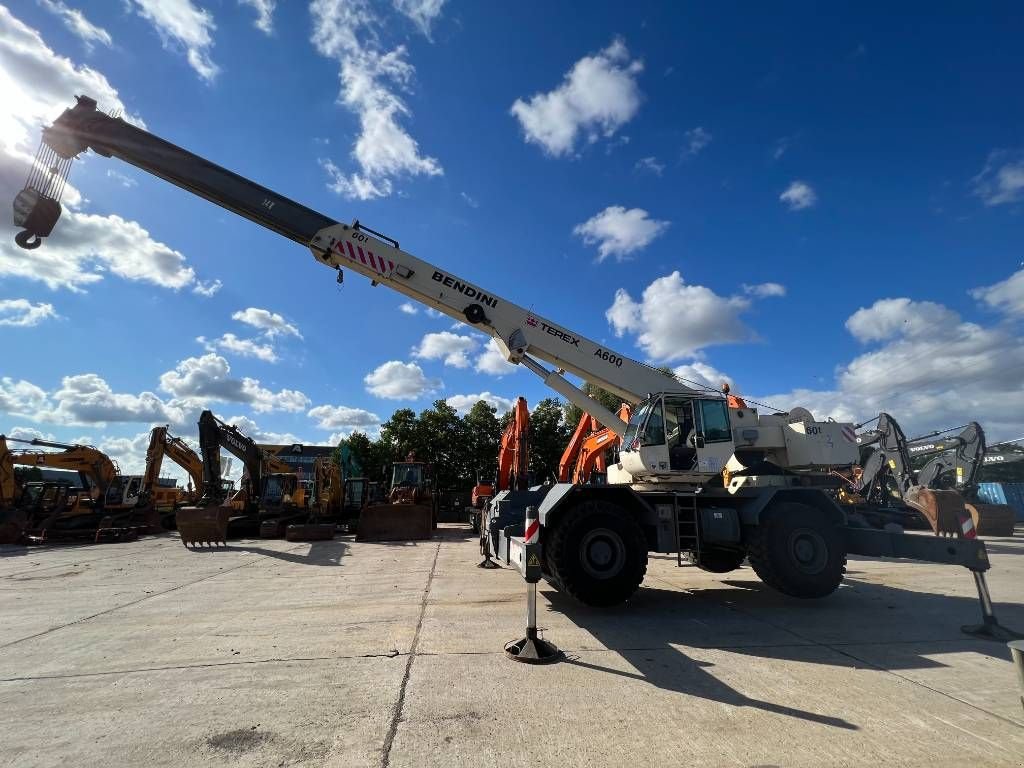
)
(339, 653)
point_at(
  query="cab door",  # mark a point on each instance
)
(713, 439)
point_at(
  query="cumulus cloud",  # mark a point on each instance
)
(447, 346)
(252, 430)
(21, 398)
(264, 14)
(674, 320)
(596, 97)
(1006, 295)
(183, 26)
(702, 374)
(1001, 181)
(271, 323)
(764, 290)
(395, 380)
(798, 196)
(493, 362)
(78, 25)
(619, 232)
(372, 78)
(87, 398)
(651, 165)
(30, 433)
(888, 318)
(408, 308)
(207, 378)
(696, 139)
(21, 313)
(242, 347)
(463, 403)
(341, 417)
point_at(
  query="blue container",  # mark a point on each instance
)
(1004, 493)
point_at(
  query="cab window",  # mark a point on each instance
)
(635, 422)
(654, 431)
(715, 421)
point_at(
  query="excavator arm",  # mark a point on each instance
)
(514, 454)
(91, 462)
(161, 444)
(523, 336)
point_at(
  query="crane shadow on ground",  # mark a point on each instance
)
(863, 626)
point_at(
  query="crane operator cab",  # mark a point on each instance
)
(679, 435)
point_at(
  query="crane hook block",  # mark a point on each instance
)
(475, 314)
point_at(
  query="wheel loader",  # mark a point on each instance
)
(409, 513)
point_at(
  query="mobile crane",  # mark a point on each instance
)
(667, 492)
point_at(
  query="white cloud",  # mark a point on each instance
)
(348, 31)
(271, 323)
(696, 139)
(650, 164)
(130, 455)
(87, 398)
(782, 146)
(597, 97)
(125, 181)
(493, 362)
(243, 347)
(21, 398)
(447, 346)
(30, 433)
(619, 232)
(408, 308)
(764, 290)
(930, 370)
(85, 245)
(1001, 181)
(798, 196)
(207, 288)
(674, 320)
(1006, 295)
(207, 378)
(181, 24)
(472, 202)
(423, 13)
(700, 373)
(463, 403)
(22, 313)
(431, 312)
(888, 318)
(395, 380)
(76, 22)
(264, 14)
(342, 417)
(252, 430)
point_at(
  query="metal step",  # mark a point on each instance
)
(684, 510)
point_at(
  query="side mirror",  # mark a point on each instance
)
(700, 441)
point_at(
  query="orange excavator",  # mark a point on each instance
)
(513, 464)
(156, 499)
(584, 457)
(104, 511)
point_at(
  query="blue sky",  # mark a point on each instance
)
(824, 209)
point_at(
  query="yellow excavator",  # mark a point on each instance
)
(409, 513)
(159, 501)
(105, 510)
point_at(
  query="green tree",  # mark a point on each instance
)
(400, 435)
(549, 434)
(442, 437)
(366, 456)
(573, 413)
(483, 439)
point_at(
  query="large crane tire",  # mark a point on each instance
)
(797, 551)
(597, 553)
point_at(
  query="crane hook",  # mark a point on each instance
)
(28, 240)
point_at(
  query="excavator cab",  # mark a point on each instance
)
(282, 501)
(410, 511)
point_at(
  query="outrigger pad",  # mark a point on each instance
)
(533, 650)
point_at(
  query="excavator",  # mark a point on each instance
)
(105, 510)
(270, 497)
(940, 493)
(584, 459)
(513, 463)
(666, 493)
(408, 513)
(159, 501)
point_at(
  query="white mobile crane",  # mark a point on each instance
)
(694, 477)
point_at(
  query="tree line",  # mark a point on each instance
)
(462, 450)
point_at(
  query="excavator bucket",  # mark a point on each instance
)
(993, 519)
(395, 522)
(942, 509)
(203, 525)
(12, 527)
